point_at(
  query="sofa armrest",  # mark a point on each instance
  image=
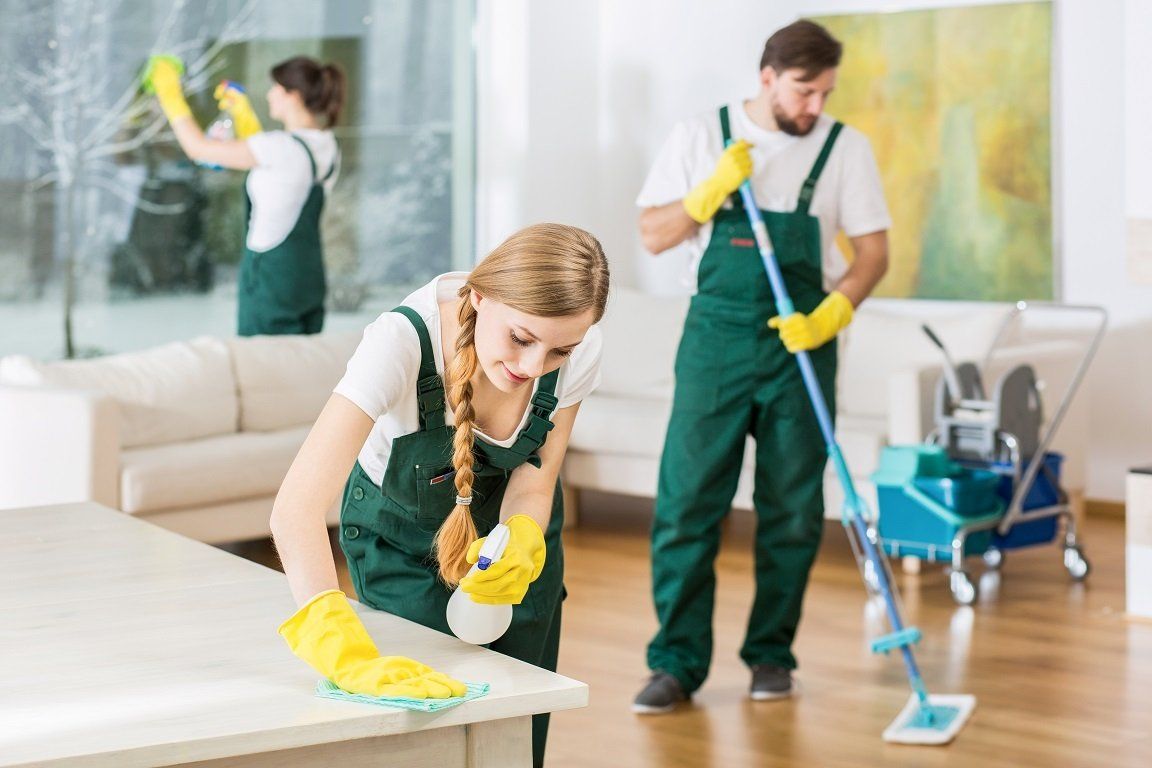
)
(911, 394)
(58, 446)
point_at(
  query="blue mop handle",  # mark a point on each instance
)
(785, 307)
(852, 501)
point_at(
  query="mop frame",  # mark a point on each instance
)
(1003, 442)
(863, 534)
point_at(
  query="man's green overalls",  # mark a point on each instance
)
(281, 290)
(387, 531)
(734, 378)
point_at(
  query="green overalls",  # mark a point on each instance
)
(281, 290)
(735, 378)
(387, 531)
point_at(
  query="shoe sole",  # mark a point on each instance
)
(769, 695)
(648, 709)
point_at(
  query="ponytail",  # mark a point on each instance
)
(321, 86)
(459, 530)
(332, 83)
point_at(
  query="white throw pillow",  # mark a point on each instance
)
(284, 381)
(178, 391)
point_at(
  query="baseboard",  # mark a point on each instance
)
(1104, 508)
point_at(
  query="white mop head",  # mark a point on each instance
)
(950, 711)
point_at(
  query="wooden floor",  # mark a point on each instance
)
(1062, 678)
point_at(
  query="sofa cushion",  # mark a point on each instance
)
(621, 425)
(284, 381)
(878, 342)
(178, 391)
(207, 471)
(641, 333)
(860, 438)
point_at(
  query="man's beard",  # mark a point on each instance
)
(790, 126)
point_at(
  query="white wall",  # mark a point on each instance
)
(575, 98)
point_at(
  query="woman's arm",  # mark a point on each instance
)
(309, 490)
(228, 154)
(530, 490)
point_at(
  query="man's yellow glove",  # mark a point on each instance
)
(506, 581)
(801, 332)
(328, 634)
(232, 98)
(734, 166)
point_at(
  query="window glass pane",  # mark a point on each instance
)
(103, 218)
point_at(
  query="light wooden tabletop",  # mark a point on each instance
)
(124, 644)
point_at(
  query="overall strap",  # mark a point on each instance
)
(814, 175)
(429, 384)
(332, 168)
(539, 424)
(725, 137)
(307, 151)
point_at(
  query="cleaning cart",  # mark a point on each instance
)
(1001, 439)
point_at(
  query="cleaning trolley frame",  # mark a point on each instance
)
(1004, 433)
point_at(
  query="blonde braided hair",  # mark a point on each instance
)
(546, 270)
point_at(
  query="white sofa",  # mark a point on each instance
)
(195, 436)
(885, 389)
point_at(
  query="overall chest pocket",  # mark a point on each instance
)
(436, 494)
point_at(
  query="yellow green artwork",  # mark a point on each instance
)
(957, 103)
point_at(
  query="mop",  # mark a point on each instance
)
(925, 719)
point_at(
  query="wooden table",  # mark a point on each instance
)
(122, 644)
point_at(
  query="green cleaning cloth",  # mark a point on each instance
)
(329, 690)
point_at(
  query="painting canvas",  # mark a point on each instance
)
(957, 105)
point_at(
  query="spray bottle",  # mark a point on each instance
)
(473, 622)
(222, 128)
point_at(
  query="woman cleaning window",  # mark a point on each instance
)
(281, 285)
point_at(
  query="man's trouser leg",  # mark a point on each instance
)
(789, 499)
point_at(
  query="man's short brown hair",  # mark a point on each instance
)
(802, 45)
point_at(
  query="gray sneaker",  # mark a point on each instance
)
(770, 683)
(661, 694)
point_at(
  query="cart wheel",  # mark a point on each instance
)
(994, 558)
(1076, 564)
(963, 590)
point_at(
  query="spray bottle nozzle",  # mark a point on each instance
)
(493, 548)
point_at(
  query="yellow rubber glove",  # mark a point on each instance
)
(328, 634)
(802, 332)
(162, 77)
(231, 98)
(506, 581)
(734, 166)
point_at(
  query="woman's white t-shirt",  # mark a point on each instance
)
(279, 184)
(849, 196)
(382, 374)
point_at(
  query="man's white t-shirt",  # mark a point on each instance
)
(382, 374)
(848, 196)
(279, 184)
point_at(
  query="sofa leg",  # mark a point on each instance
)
(571, 506)
(911, 564)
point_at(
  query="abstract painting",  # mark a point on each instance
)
(957, 105)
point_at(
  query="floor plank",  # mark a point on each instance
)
(1062, 678)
